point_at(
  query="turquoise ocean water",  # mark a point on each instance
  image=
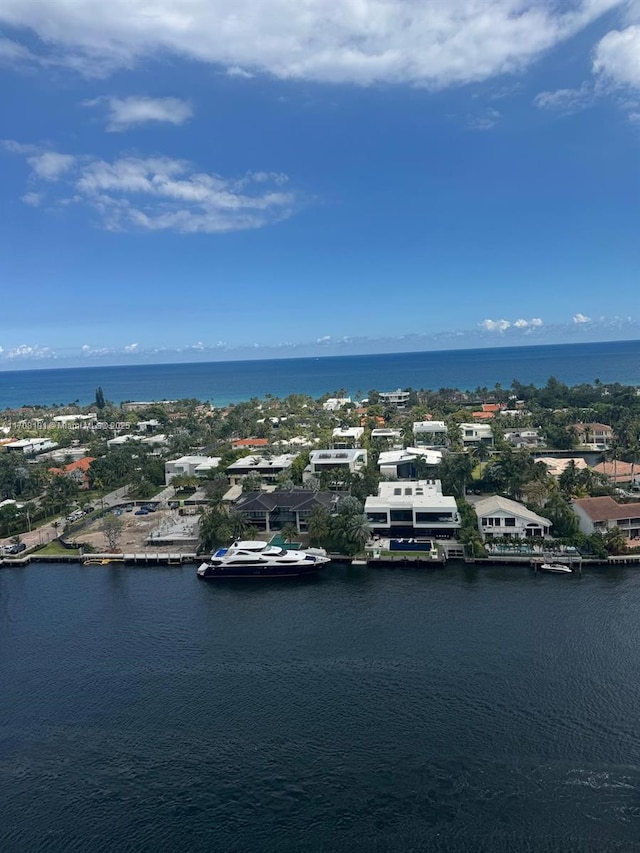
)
(232, 381)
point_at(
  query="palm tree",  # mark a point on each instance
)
(289, 532)
(357, 530)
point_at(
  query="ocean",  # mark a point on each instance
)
(456, 710)
(233, 381)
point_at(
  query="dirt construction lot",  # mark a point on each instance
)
(140, 531)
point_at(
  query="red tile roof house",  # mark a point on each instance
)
(594, 434)
(78, 471)
(603, 514)
(618, 471)
(241, 443)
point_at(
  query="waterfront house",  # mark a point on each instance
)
(413, 508)
(599, 515)
(270, 511)
(430, 433)
(555, 465)
(501, 517)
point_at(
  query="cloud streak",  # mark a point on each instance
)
(156, 193)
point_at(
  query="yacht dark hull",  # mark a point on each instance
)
(216, 573)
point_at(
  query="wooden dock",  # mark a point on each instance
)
(147, 558)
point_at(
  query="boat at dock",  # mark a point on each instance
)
(256, 559)
(558, 568)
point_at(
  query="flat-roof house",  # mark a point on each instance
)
(501, 517)
(603, 514)
(401, 464)
(391, 436)
(473, 434)
(321, 461)
(268, 467)
(191, 466)
(344, 438)
(30, 446)
(413, 508)
(430, 433)
(335, 403)
(270, 511)
(397, 398)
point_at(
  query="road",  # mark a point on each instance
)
(48, 532)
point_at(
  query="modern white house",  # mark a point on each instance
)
(335, 403)
(474, 434)
(401, 464)
(413, 508)
(191, 466)
(268, 468)
(524, 438)
(391, 436)
(321, 461)
(30, 446)
(430, 433)
(344, 438)
(397, 398)
(119, 440)
(599, 515)
(501, 517)
(65, 420)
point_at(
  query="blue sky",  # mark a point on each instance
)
(204, 179)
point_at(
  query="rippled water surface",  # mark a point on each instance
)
(455, 710)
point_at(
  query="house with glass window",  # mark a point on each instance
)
(430, 433)
(501, 517)
(413, 508)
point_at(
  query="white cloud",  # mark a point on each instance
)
(51, 165)
(617, 57)
(158, 193)
(495, 325)
(486, 120)
(502, 326)
(566, 101)
(581, 318)
(33, 199)
(29, 351)
(123, 113)
(131, 348)
(356, 41)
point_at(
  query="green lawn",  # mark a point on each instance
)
(54, 548)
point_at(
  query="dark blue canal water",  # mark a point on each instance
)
(454, 710)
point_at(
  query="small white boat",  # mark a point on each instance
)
(559, 568)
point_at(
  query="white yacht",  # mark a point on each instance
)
(256, 559)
